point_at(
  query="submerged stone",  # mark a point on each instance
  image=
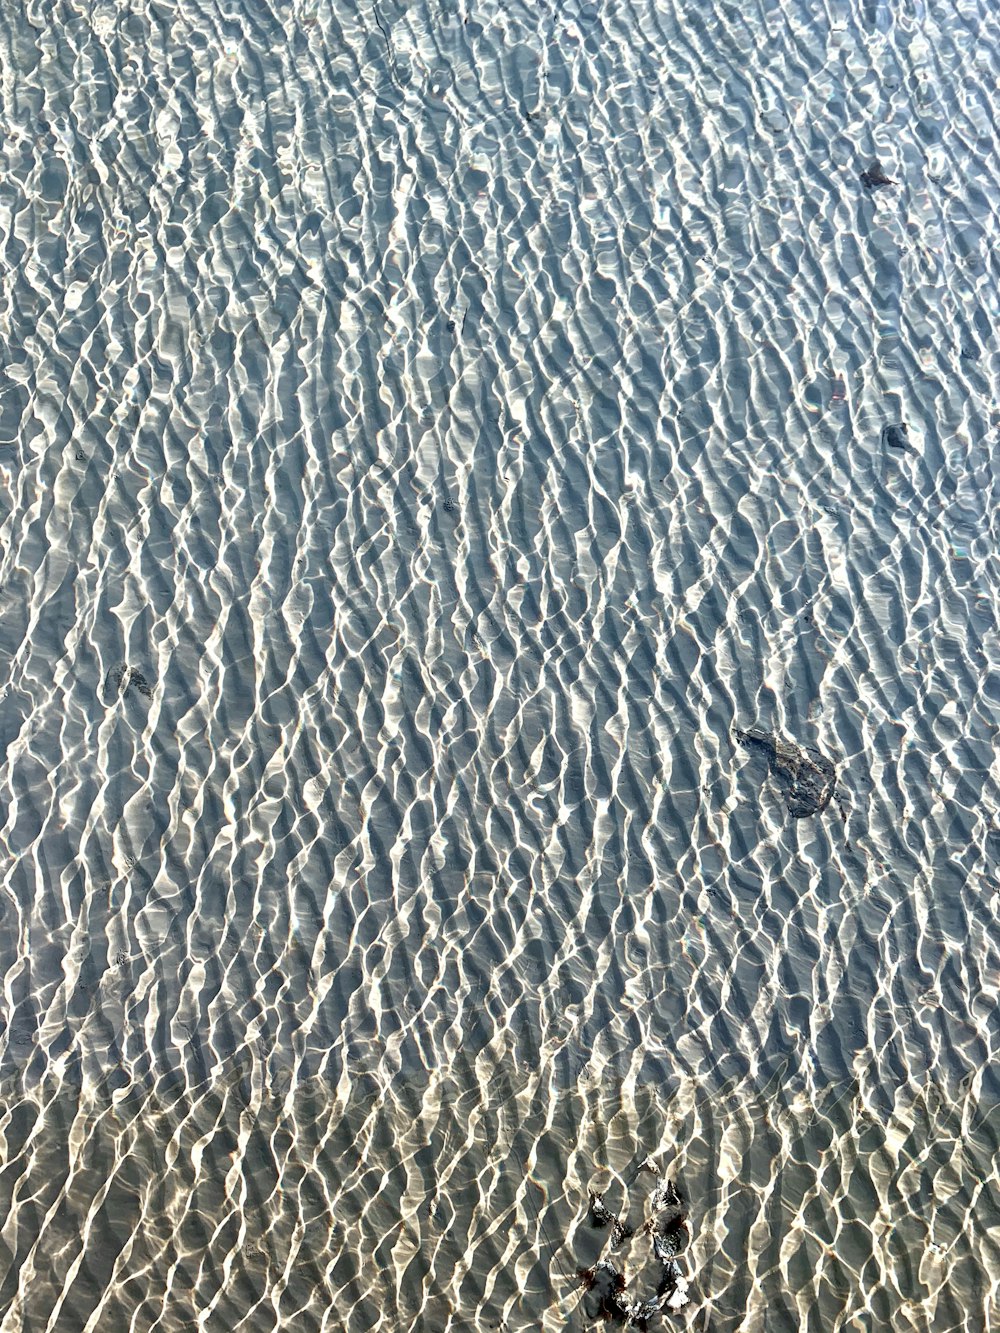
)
(140, 682)
(805, 777)
(670, 1243)
(677, 1299)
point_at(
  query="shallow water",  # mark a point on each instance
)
(426, 434)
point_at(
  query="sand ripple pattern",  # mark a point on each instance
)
(426, 432)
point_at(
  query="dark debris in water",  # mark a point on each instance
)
(605, 1285)
(805, 777)
(668, 1226)
(123, 678)
(602, 1216)
(895, 436)
(874, 176)
(639, 1313)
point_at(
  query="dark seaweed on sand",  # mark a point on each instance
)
(874, 176)
(605, 1286)
(805, 777)
(122, 678)
(602, 1216)
(895, 436)
(668, 1226)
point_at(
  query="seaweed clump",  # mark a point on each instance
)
(805, 777)
(895, 436)
(605, 1285)
(873, 176)
(668, 1227)
(602, 1216)
(123, 678)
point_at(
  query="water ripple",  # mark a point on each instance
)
(426, 436)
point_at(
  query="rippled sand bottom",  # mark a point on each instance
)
(460, 1201)
(453, 459)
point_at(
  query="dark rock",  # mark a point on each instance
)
(667, 1195)
(672, 1273)
(674, 1287)
(895, 437)
(874, 176)
(806, 778)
